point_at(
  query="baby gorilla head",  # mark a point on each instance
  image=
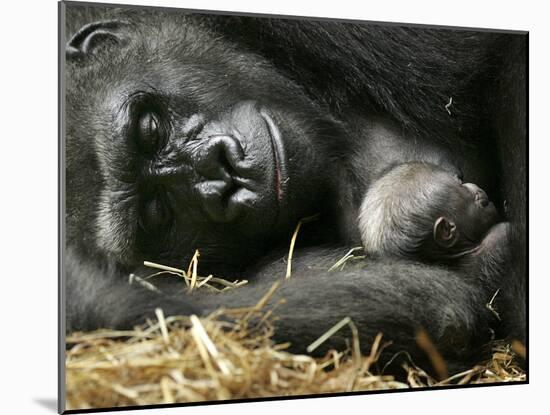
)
(420, 211)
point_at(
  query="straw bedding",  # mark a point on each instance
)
(230, 355)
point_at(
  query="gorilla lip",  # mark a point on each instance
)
(278, 153)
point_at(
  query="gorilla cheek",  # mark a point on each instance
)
(303, 158)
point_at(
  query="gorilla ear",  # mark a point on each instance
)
(445, 232)
(95, 36)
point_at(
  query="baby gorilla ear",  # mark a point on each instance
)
(93, 37)
(445, 232)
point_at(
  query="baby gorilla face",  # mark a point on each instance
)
(480, 212)
(474, 213)
(420, 211)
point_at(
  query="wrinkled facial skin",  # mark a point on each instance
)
(173, 147)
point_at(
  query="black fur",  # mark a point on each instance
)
(356, 98)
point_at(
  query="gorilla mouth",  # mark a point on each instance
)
(278, 154)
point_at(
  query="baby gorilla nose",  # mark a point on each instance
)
(479, 194)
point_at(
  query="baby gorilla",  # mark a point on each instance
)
(420, 211)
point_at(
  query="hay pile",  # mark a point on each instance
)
(230, 355)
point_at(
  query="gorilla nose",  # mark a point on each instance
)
(214, 196)
(219, 158)
(219, 162)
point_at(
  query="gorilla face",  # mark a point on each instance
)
(177, 141)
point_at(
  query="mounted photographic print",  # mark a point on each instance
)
(261, 207)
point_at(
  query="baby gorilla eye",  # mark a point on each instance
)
(149, 133)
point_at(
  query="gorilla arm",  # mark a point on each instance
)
(491, 263)
(101, 297)
(395, 298)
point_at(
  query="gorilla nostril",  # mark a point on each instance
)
(226, 165)
(224, 191)
(219, 158)
(214, 196)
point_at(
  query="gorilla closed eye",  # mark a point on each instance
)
(149, 122)
(156, 213)
(148, 133)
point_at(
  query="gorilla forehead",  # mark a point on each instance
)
(186, 63)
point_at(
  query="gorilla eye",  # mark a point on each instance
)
(149, 133)
(155, 213)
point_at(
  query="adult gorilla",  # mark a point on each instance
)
(216, 133)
